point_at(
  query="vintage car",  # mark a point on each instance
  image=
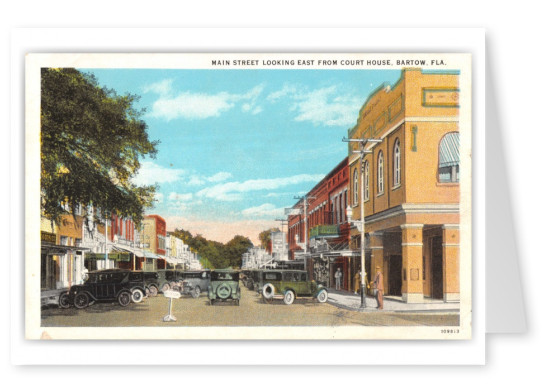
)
(169, 279)
(195, 282)
(151, 280)
(123, 286)
(224, 286)
(290, 284)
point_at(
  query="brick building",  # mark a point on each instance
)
(327, 229)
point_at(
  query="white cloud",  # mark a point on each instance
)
(179, 201)
(162, 88)
(219, 177)
(232, 191)
(151, 173)
(329, 106)
(263, 210)
(196, 105)
(326, 106)
(285, 91)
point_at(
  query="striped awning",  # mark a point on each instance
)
(449, 150)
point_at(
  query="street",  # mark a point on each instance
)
(252, 311)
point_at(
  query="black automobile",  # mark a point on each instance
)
(123, 286)
(151, 281)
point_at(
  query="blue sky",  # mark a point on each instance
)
(237, 145)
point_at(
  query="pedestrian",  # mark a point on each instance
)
(338, 276)
(357, 282)
(84, 275)
(379, 287)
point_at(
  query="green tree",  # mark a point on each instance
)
(91, 142)
(265, 237)
(235, 248)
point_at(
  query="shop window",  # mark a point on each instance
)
(448, 158)
(380, 174)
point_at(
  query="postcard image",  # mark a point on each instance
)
(248, 196)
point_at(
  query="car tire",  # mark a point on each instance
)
(64, 300)
(137, 296)
(165, 287)
(223, 291)
(124, 298)
(237, 302)
(289, 297)
(81, 300)
(153, 290)
(322, 296)
(211, 301)
(268, 291)
(196, 292)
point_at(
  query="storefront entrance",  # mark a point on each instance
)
(436, 267)
(395, 275)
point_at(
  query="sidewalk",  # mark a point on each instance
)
(350, 301)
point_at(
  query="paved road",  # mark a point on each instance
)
(251, 312)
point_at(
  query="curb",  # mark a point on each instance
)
(452, 311)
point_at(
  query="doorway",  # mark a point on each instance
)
(395, 275)
(436, 268)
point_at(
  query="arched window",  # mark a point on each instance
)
(448, 158)
(380, 174)
(397, 172)
(366, 181)
(355, 184)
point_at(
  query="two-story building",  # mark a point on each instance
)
(411, 182)
(327, 230)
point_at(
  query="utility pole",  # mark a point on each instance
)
(360, 224)
(305, 199)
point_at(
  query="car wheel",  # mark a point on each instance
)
(153, 290)
(289, 297)
(64, 300)
(211, 301)
(124, 298)
(165, 287)
(137, 296)
(196, 292)
(237, 302)
(268, 291)
(82, 300)
(322, 296)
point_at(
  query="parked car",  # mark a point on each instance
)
(289, 285)
(169, 279)
(224, 286)
(195, 282)
(151, 280)
(123, 286)
(252, 279)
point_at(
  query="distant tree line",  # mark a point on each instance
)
(218, 255)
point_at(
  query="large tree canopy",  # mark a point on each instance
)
(91, 143)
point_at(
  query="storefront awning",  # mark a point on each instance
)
(60, 249)
(121, 247)
(147, 254)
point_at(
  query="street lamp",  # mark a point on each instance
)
(360, 224)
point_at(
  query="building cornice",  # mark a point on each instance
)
(413, 209)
